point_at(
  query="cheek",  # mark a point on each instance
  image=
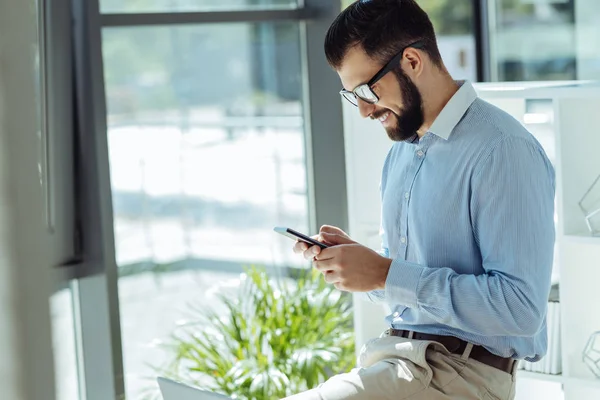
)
(390, 107)
(390, 102)
(390, 95)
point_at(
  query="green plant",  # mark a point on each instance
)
(274, 339)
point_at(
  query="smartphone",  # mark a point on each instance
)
(289, 232)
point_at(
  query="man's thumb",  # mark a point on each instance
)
(332, 230)
(335, 238)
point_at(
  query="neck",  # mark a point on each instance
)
(436, 95)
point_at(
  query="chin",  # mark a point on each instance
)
(395, 132)
(398, 136)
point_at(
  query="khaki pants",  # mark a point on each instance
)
(397, 368)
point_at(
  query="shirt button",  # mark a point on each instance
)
(396, 314)
(406, 195)
(420, 153)
(403, 239)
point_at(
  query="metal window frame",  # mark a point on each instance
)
(204, 17)
(96, 287)
(482, 33)
(324, 123)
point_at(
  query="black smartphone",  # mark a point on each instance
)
(289, 232)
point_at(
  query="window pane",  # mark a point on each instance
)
(120, 6)
(206, 143)
(532, 40)
(453, 24)
(64, 345)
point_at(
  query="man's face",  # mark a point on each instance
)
(400, 106)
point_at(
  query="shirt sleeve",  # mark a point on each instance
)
(512, 212)
(377, 296)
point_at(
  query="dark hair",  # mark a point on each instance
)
(382, 28)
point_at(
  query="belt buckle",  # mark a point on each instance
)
(392, 332)
(453, 345)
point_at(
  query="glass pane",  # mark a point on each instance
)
(163, 6)
(206, 146)
(453, 24)
(532, 40)
(64, 345)
(587, 34)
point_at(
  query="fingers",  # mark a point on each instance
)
(300, 247)
(334, 278)
(309, 252)
(312, 252)
(324, 265)
(331, 277)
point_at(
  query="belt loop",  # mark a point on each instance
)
(467, 352)
(514, 367)
(411, 334)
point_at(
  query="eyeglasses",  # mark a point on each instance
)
(364, 91)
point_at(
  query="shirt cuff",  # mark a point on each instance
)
(402, 283)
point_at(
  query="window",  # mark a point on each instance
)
(206, 148)
(200, 129)
(532, 40)
(206, 140)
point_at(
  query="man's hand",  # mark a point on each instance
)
(347, 265)
(353, 267)
(330, 235)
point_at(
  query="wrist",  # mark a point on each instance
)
(386, 264)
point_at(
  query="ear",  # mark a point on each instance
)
(412, 62)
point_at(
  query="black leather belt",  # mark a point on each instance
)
(458, 346)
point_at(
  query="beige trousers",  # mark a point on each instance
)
(397, 368)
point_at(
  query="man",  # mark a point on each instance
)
(467, 221)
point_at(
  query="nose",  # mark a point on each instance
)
(365, 108)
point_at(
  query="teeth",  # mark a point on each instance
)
(384, 117)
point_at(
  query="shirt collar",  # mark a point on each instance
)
(454, 110)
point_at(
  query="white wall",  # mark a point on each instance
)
(26, 364)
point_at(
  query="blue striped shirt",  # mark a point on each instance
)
(468, 220)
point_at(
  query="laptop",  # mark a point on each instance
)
(172, 390)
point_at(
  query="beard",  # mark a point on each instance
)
(411, 117)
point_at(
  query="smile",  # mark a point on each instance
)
(384, 117)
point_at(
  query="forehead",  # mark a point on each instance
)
(357, 68)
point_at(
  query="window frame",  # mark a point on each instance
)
(93, 274)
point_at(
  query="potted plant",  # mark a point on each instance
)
(275, 338)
